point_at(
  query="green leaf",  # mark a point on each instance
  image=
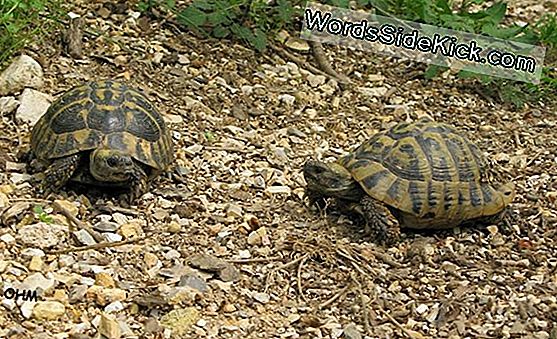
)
(170, 4)
(463, 74)
(260, 40)
(203, 4)
(242, 32)
(45, 218)
(501, 32)
(364, 3)
(496, 12)
(432, 71)
(444, 5)
(38, 209)
(209, 136)
(285, 11)
(340, 3)
(220, 32)
(192, 16)
(218, 18)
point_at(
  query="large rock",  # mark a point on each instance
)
(33, 104)
(23, 72)
(41, 235)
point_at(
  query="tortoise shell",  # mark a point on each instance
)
(103, 114)
(433, 176)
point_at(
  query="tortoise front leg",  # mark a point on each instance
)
(138, 183)
(380, 222)
(60, 172)
(315, 199)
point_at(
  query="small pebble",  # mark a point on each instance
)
(261, 297)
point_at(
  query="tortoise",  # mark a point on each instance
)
(421, 175)
(103, 133)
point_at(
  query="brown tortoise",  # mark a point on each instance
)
(103, 133)
(415, 175)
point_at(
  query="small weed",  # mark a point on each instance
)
(210, 136)
(42, 215)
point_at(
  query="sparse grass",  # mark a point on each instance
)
(20, 20)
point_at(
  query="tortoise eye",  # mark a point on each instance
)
(112, 162)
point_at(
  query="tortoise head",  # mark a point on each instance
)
(331, 180)
(110, 165)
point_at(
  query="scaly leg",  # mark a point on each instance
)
(60, 172)
(380, 222)
(315, 198)
(138, 183)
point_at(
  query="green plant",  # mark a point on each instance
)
(256, 21)
(251, 21)
(209, 136)
(487, 20)
(22, 19)
(41, 214)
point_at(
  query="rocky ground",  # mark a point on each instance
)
(224, 246)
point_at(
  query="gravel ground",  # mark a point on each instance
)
(225, 246)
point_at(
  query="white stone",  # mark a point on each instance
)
(8, 303)
(373, 91)
(246, 89)
(18, 178)
(33, 105)
(41, 234)
(173, 118)
(422, 308)
(278, 190)
(7, 238)
(183, 59)
(287, 98)
(172, 254)
(8, 105)
(84, 237)
(261, 297)
(316, 80)
(115, 306)
(112, 237)
(23, 72)
(26, 309)
(32, 252)
(37, 281)
(233, 210)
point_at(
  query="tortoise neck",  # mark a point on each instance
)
(352, 192)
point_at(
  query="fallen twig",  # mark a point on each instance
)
(281, 267)
(396, 323)
(299, 278)
(364, 304)
(98, 246)
(334, 297)
(81, 225)
(253, 260)
(384, 257)
(321, 59)
(300, 62)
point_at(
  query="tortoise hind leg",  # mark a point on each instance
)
(60, 172)
(380, 222)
